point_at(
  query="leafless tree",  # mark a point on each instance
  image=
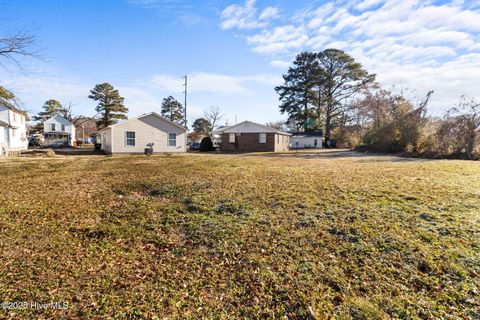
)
(214, 115)
(463, 122)
(21, 44)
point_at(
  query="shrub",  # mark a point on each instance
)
(206, 144)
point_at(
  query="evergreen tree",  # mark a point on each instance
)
(173, 110)
(339, 78)
(50, 108)
(297, 94)
(110, 104)
(6, 95)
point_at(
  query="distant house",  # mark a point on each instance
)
(58, 131)
(13, 130)
(250, 136)
(85, 129)
(148, 131)
(306, 140)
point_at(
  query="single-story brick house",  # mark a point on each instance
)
(148, 131)
(249, 136)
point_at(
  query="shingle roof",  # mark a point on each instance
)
(10, 106)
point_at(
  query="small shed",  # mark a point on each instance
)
(306, 140)
(249, 136)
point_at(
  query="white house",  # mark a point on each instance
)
(58, 131)
(306, 140)
(13, 129)
(147, 131)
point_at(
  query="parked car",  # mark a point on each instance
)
(195, 146)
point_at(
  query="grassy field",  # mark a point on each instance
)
(321, 235)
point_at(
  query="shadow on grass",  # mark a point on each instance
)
(336, 154)
(67, 151)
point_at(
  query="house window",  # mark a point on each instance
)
(63, 128)
(52, 127)
(172, 139)
(130, 138)
(14, 117)
(262, 138)
(231, 138)
(14, 132)
(278, 138)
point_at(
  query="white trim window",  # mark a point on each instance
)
(63, 128)
(14, 132)
(231, 137)
(52, 127)
(130, 138)
(262, 138)
(172, 139)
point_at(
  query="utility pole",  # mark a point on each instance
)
(185, 104)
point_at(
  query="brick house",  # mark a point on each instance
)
(249, 136)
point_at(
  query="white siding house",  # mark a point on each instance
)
(13, 129)
(58, 131)
(306, 140)
(146, 131)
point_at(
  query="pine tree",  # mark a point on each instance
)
(297, 95)
(340, 77)
(50, 108)
(173, 110)
(110, 104)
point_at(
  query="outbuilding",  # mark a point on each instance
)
(148, 132)
(306, 140)
(249, 136)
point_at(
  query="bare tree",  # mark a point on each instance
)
(464, 122)
(214, 115)
(18, 45)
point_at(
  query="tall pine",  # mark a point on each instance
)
(110, 104)
(173, 110)
(340, 77)
(297, 94)
(50, 108)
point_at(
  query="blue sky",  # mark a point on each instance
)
(236, 51)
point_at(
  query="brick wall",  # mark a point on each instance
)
(248, 142)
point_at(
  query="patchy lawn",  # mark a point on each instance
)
(244, 236)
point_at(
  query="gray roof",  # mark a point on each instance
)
(10, 106)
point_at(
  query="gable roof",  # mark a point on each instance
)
(11, 107)
(308, 134)
(143, 116)
(60, 119)
(4, 124)
(252, 127)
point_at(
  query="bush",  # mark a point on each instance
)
(206, 144)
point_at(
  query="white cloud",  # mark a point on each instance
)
(246, 16)
(366, 4)
(416, 43)
(268, 13)
(213, 83)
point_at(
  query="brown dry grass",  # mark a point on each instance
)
(246, 236)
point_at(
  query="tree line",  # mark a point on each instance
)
(329, 91)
